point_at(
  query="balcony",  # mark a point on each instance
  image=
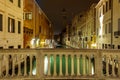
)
(34, 64)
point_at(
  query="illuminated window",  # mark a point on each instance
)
(27, 16)
(19, 3)
(11, 1)
(11, 25)
(19, 27)
(1, 22)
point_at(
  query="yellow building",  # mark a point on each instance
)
(37, 27)
(11, 23)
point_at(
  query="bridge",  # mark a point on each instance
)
(59, 64)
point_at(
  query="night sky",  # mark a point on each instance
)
(56, 9)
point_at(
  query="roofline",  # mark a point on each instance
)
(42, 11)
(99, 3)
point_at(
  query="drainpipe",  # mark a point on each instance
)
(111, 24)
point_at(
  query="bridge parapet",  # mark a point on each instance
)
(27, 64)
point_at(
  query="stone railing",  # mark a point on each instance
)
(37, 64)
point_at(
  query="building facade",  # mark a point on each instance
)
(83, 29)
(38, 29)
(67, 42)
(11, 24)
(73, 34)
(89, 34)
(108, 24)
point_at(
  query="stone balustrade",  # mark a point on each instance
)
(37, 64)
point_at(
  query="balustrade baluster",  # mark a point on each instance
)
(66, 65)
(119, 66)
(7, 65)
(19, 65)
(90, 66)
(49, 65)
(31, 64)
(61, 65)
(72, 64)
(113, 67)
(37, 65)
(107, 67)
(25, 66)
(13, 65)
(55, 65)
(78, 65)
(84, 66)
(1, 59)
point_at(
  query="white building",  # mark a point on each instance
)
(11, 23)
(108, 24)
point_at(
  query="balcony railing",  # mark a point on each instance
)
(34, 64)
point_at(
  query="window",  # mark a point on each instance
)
(102, 46)
(113, 46)
(110, 27)
(119, 24)
(91, 38)
(118, 46)
(19, 46)
(110, 4)
(68, 39)
(106, 29)
(39, 29)
(27, 16)
(11, 1)
(86, 39)
(11, 25)
(1, 47)
(1, 22)
(19, 3)
(79, 33)
(105, 46)
(106, 6)
(11, 47)
(109, 46)
(19, 27)
(103, 9)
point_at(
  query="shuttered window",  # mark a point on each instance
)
(1, 22)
